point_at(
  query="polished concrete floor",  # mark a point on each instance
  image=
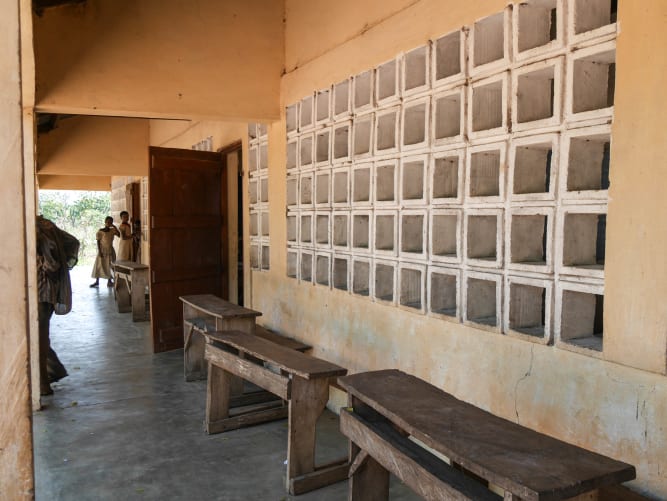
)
(124, 424)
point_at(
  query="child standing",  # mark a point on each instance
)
(125, 244)
(105, 253)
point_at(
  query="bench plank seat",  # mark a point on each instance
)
(218, 307)
(427, 475)
(285, 358)
(525, 463)
(287, 342)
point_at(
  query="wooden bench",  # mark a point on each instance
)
(208, 313)
(130, 284)
(299, 379)
(392, 414)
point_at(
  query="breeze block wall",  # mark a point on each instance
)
(514, 277)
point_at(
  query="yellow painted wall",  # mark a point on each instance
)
(161, 59)
(636, 267)
(603, 405)
(94, 146)
(63, 182)
(16, 458)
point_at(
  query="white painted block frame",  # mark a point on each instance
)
(292, 154)
(540, 142)
(306, 189)
(579, 37)
(527, 267)
(306, 151)
(357, 278)
(340, 187)
(356, 173)
(359, 234)
(416, 62)
(446, 102)
(307, 113)
(606, 52)
(393, 268)
(496, 280)
(459, 156)
(480, 88)
(323, 273)
(387, 82)
(521, 92)
(560, 336)
(342, 99)
(336, 275)
(322, 188)
(387, 125)
(420, 234)
(486, 201)
(322, 149)
(363, 91)
(524, 18)
(407, 180)
(305, 269)
(455, 45)
(363, 136)
(322, 230)
(548, 286)
(596, 133)
(386, 173)
(469, 235)
(340, 141)
(377, 227)
(560, 241)
(430, 288)
(408, 123)
(292, 119)
(341, 238)
(434, 215)
(402, 283)
(479, 32)
(323, 100)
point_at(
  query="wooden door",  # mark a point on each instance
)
(188, 236)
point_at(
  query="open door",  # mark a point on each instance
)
(188, 236)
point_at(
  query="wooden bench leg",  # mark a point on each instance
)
(370, 481)
(122, 295)
(218, 394)
(307, 401)
(138, 299)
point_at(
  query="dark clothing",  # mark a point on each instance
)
(57, 253)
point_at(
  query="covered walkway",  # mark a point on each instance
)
(124, 424)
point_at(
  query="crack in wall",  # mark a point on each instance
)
(521, 379)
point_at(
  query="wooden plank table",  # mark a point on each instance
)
(300, 379)
(130, 284)
(528, 465)
(207, 312)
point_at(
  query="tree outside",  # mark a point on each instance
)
(80, 213)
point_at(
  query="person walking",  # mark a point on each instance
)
(57, 253)
(106, 254)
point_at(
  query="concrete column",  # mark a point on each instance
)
(16, 461)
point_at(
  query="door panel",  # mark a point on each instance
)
(188, 211)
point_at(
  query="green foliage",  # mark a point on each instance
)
(78, 213)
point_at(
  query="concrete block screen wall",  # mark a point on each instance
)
(258, 191)
(466, 179)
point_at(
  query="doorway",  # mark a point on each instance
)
(189, 210)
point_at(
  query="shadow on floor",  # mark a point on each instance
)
(125, 425)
